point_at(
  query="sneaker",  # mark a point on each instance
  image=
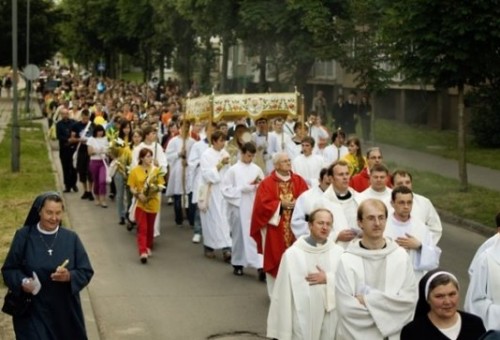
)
(75, 188)
(196, 238)
(91, 197)
(122, 221)
(144, 258)
(85, 195)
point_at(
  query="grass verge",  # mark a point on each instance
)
(20, 189)
(136, 77)
(442, 143)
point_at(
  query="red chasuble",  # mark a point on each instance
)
(278, 238)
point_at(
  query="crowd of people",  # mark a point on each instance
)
(345, 246)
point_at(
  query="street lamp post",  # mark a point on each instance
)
(28, 82)
(15, 124)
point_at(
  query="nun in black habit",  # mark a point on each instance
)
(43, 250)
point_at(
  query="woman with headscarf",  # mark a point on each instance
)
(436, 315)
(49, 262)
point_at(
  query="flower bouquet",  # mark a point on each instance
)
(154, 183)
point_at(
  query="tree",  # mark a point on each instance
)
(448, 44)
(44, 38)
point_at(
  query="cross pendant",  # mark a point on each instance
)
(49, 251)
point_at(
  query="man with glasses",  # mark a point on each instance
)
(272, 212)
(376, 289)
(361, 181)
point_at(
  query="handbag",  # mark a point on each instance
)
(18, 304)
(131, 210)
(109, 176)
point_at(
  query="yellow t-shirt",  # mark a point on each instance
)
(137, 182)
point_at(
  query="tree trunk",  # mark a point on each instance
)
(262, 69)
(462, 160)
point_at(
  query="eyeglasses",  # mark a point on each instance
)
(372, 218)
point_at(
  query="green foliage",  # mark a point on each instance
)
(43, 34)
(485, 118)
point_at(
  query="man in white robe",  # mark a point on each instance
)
(261, 139)
(195, 177)
(378, 189)
(307, 164)
(422, 206)
(303, 301)
(238, 188)
(411, 233)
(151, 142)
(311, 200)
(337, 150)
(278, 140)
(179, 185)
(483, 295)
(213, 165)
(340, 193)
(376, 290)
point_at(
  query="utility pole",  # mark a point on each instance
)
(15, 124)
(28, 82)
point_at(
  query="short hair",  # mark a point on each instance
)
(323, 173)
(361, 208)
(379, 168)
(277, 156)
(308, 139)
(147, 130)
(217, 135)
(370, 150)
(248, 147)
(497, 220)
(222, 123)
(442, 280)
(337, 133)
(143, 153)
(401, 173)
(85, 112)
(314, 213)
(401, 189)
(297, 126)
(338, 162)
(140, 132)
(98, 128)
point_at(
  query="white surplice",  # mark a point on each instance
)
(194, 167)
(214, 224)
(425, 211)
(239, 194)
(483, 295)
(298, 310)
(386, 280)
(309, 201)
(384, 196)
(178, 179)
(308, 167)
(349, 206)
(333, 153)
(424, 259)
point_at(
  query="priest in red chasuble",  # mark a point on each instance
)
(272, 213)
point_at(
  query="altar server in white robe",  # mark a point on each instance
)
(279, 141)
(261, 139)
(337, 150)
(179, 185)
(303, 303)
(215, 227)
(313, 199)
(340, 192)
(376, 290)
(195, 177)
(483, 295)
(411, 233)
(307, 164)
(238, 188)
(378, 189)
(422, 207)
(151, 142)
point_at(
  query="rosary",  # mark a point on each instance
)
(49, 249)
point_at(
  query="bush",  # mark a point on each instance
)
(485, 119)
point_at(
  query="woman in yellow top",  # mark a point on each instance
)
(145, 182)
(354, 158)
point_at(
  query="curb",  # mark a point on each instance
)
(466, 224)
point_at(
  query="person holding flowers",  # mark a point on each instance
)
(145, 182)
